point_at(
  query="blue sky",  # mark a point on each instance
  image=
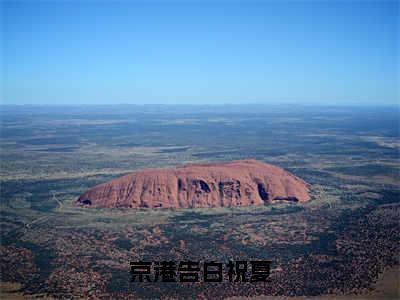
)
(191, 52)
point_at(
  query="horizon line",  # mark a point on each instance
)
(361, 104)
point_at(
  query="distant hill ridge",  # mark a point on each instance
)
(234, 183)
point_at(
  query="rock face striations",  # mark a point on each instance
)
(236, 183)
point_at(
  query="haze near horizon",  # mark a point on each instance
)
(322, 53)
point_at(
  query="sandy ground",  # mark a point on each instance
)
(386, 288)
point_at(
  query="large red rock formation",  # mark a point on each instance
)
(242, 182)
